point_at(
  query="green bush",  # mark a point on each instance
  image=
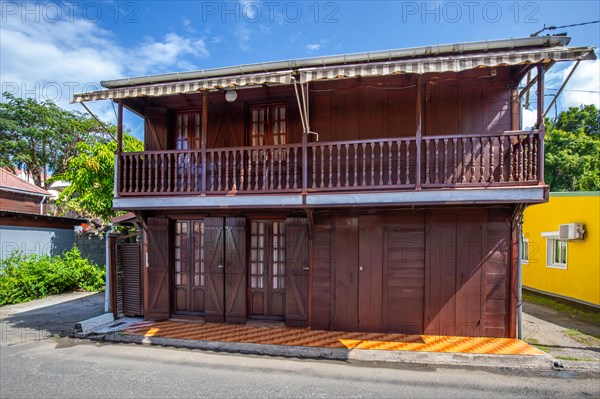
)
(26, 277)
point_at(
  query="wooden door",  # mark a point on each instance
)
(214, 309)
(370, 273)
(344, 261)
(296, 269)
(440, 274)
(235, 270)
(188, 267)
(266, 269)
(157, 294)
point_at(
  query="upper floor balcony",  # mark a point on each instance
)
(510, 159)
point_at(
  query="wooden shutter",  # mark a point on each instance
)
(235, 270)
(296, 292)
(158, 269)
(155, 129)
(128, 261)
(214, 311)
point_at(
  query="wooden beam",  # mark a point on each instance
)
(419, 122)
(203, 140)
(540, 122)
(120, 128)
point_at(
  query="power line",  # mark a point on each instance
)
(560, 27)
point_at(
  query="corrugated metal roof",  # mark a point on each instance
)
(11, 182)
(428, 64)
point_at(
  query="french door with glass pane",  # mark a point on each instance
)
(266, 269)
(188, 267)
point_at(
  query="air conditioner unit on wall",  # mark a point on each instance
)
(571, 231)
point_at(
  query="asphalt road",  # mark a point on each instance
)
(35, 363)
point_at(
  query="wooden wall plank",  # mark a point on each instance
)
(321, 272)
(344, 260)
(370, 273)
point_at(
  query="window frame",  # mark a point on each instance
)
(551, 253)
(525, 243)
(268, 135)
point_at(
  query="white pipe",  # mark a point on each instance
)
(42, 204)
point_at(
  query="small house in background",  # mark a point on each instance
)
(377, 191)
(24, 224)
(561, 247)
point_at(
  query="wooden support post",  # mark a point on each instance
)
(203, 140)
(305, 163)
(118, 166)
(540, 121)
(418, 134)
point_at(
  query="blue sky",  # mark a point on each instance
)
(52, 49)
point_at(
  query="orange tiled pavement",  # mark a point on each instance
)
(331, 339)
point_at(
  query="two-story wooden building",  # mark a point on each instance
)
(364, 192)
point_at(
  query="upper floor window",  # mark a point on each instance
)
(188, 131)
(268, 125)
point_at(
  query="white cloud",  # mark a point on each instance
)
(250, 9)
(243, 34)
(54, 60)
(313, 47)
(584, 86)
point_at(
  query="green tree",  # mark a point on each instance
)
(91, 174)
(586, 117)
(572, 150)
(41, 137)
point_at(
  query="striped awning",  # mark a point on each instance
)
(454, 63)
(432, 63)
(188, 86)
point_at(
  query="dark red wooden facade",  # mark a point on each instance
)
(414, 268)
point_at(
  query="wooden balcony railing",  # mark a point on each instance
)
(509, 158)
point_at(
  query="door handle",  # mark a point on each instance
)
(220, 266)
(360, 268)
(304, 267)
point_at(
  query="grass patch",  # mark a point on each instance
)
(536, 342)
(26, 277)
(575, 359)
(582, 338)
(571, 308)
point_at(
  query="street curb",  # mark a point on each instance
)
(539, 362)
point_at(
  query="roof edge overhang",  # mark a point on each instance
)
(345, 59)
(368, 67)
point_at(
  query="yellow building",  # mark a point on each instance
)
(564, 261)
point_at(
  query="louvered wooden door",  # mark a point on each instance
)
(129, 279)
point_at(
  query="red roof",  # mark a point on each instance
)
(10, 181)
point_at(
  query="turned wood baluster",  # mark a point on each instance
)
(234, 170)
(322, 148)
(436, 144)
(295, 164)
(330, 174)
(511, 169)
(144, 165)
(364, 164)
(389, 143)
(373, 147)
(399, 163)
(445, 171)
(472, 179)
(520, 158)
(427, 161)
(218, 157)
(355, 177)
(534, 169)
(251, 182)
(491, 170)
(530, 156)
(338, 150)
(314, 183)
(501, 162)
(482, 160)
(381, 146)
(347, 148)
(454, 160)
(463, 163)
(407, 162)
